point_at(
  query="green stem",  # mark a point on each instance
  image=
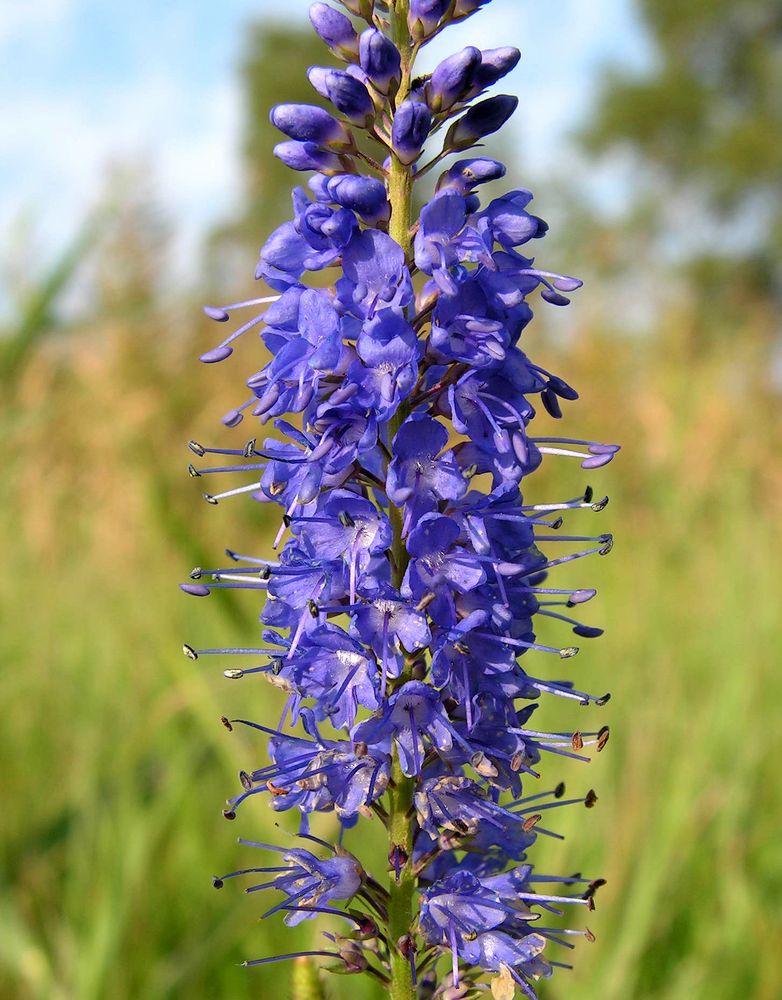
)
(400, 796)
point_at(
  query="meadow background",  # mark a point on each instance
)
(664, 194)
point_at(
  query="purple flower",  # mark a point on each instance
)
(422, 472)
(306, 881)
(414, 712)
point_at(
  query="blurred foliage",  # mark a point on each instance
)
(115, 763)
(703, 125)
(272, 72)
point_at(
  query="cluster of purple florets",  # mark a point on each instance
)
(400, 616)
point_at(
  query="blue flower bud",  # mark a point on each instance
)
(364, 195)
(410, 130)
(495, 64)
(481, 120)
(380, 60)
(465, 175)
(308, 123)
(425, 15)
(452, 79)
(348, 95)
(335, 29)
(306, 156)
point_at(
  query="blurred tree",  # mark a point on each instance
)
(707, 117)
(272, 72)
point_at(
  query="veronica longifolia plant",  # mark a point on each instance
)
(400, 616)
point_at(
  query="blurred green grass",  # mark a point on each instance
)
(116, 766)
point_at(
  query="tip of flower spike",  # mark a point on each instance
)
(216, 354)
(189, 652)
(194, 589)
(215, 313)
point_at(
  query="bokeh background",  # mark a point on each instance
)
(137, 183)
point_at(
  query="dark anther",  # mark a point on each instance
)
(346, 520)
(588, 494)
(604, 700)
(600, 505)
(229, 814)
(196, 448)
(249, 448)
(193, 471)
(226, 723)
(559, 791)
(287, 520)
(593, 887)
(589, 935)
(530, 822)
(276, 665)
(314, 609)
(577, 741)
(189, 652)
(591, 903)
(607, 545)
(556, 525)
(265, 573)
(361, 750)
(518, 760)
(210, 499)
(590, 798)
(460, 647)
(195, 573)
(246, 780)
(217, 882)
(233, 674)
(602, 738)
(461, 826)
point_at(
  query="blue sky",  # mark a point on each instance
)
(87, 83)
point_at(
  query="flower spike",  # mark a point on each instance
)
(409, 615)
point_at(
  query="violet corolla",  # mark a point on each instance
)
(411, 575)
